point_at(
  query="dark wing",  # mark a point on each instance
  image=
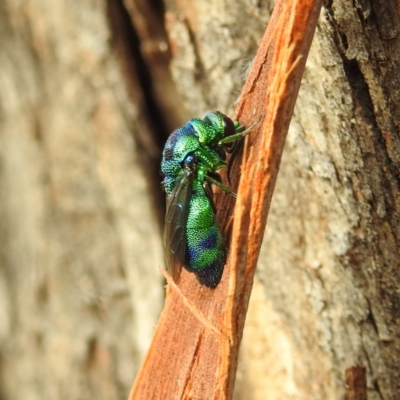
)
(175, 225)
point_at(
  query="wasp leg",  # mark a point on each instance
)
(238, 135)
(220, 185)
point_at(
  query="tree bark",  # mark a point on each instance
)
(86, 101)
(80, 290)
(328, 276)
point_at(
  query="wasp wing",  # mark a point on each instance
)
(175, 245)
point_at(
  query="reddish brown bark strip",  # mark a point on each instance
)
(187, 360)
(356, 383)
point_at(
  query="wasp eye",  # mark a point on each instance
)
(229, 127)
(190, 160)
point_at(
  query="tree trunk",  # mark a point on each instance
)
(80, 290)
(86, 103)
(326, 297)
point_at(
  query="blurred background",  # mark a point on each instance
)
(89, 92)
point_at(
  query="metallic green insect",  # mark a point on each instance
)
(192, 154)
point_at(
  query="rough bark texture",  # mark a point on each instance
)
(79, 288)
(329, 268)
(79, 245)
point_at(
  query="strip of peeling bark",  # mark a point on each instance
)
(187, 358)
(356, 383)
